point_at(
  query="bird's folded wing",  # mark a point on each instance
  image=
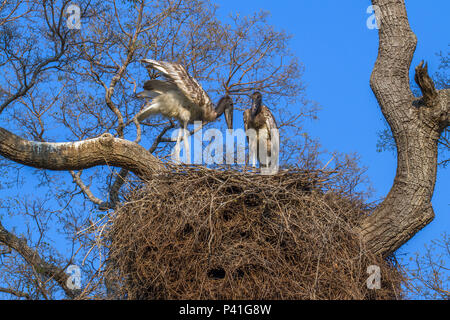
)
(246, 119)
(185, 83)
(270, 121)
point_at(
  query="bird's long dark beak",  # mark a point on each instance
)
(229, 116)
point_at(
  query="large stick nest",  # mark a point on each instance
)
(222, 234)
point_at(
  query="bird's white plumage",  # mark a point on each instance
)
(177, 74)
(171, 104)
(180, 97)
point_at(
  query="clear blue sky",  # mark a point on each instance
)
(338, 50)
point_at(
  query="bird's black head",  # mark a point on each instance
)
(256, 95)
(226, 100)
(256, 104)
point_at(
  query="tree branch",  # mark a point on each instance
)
(16, 293)
(77, 179)
(120, 179)
(35, 260)
(104, 150)
(425, 84)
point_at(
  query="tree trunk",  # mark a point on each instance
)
(416, 125)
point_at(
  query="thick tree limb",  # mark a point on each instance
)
(123, 173)
(425, 84)
(416, 126)
(104, 150)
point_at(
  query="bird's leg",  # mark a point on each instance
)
(187, 151)
(253, 151)
(176, 149)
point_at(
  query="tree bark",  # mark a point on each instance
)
(103, 150)
(416, 125)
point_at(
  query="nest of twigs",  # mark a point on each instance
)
(198, 233)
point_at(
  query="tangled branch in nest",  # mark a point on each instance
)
(222, 234)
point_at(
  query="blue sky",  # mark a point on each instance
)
(338, 50)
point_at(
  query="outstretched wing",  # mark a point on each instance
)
(159, 86)
(153, 88)
(185, 83)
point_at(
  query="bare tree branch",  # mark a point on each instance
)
(16, 293)
(104, 150)
(33, 258)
